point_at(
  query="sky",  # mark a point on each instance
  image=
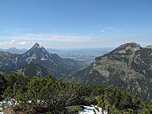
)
(75, 23)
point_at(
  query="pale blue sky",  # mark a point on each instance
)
(75, 23)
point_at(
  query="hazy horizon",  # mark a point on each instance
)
(72, 48)
(59, 48)
(59, 24)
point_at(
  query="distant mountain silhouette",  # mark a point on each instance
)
(14, 50)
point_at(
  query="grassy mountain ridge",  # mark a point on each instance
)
(128, 67)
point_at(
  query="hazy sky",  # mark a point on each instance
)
(75, 23)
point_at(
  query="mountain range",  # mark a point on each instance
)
(47, 62)
(14, 50)
(128, 67)
(83, 56)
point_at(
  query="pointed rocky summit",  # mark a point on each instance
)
(54, 64)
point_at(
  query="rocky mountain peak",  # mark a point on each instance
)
(128, 67)
(129, 46)
(36, 45)
(37, 48)
(126, 49)
(36, 53)
(54, 64)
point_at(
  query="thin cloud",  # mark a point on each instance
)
(22, 43)
(108, 29)
(27, 40)
(50, 37)
(8, 42)
(102, 30)
(13, 43)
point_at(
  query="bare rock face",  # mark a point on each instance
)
(128, 67)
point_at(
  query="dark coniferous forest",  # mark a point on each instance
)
(49, 96)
